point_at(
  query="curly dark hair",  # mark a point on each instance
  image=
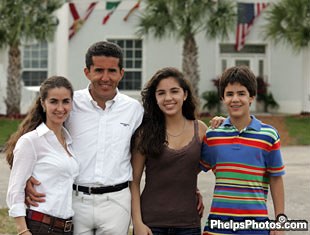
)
(150, 138)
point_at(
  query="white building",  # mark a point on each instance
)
(286, 72)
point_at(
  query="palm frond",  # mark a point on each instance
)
(27, 20)
(222, 20)
(181, 18)
(288, 21)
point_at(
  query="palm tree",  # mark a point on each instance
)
(20, 21)
(288, 21)
(184, 19)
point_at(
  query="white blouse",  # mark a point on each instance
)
(39, 154)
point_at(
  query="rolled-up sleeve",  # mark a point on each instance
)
(23, 164)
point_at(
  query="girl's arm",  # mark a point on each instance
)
(21, 226)
(24, 160)
(138, 162)
(202, 128)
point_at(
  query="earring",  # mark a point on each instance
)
(43, 109)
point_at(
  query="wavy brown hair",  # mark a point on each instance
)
(150, 138)
(35, 115)
(240, 74)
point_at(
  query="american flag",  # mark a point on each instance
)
(247, 13)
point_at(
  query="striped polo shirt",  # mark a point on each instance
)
(242, 162)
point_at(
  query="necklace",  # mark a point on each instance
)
(62, 141)
(180, 133)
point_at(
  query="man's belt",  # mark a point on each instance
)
(100, 190)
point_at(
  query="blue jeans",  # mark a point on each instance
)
(176, 231)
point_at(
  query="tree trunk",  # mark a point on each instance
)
(13, 89)
(306, 80)
(190, 62)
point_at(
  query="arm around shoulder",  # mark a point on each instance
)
(202, 129)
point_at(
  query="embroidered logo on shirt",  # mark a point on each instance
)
(124, 124)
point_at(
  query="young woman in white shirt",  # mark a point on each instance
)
(42, 148)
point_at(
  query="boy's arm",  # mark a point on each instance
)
(277, 194)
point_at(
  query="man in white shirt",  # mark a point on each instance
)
(101, 124)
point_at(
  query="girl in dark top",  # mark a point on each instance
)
(168, 145)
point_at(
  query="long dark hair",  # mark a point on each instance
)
(35, 115)
(150, 138)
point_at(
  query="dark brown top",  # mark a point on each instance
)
(169, 197)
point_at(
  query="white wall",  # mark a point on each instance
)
(286, 78)
(284, 68)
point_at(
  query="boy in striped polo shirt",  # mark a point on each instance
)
(244, 155)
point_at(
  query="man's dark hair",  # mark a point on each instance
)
(104, 48)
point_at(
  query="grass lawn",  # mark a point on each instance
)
(7, 127)
(7, 224)
(299, 128)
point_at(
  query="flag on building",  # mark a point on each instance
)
(77, 20)
(136, 6)
(247, 13)
(110, 6)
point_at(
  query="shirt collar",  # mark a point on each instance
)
(109, 103)
(42, 129)
(67, 135)
(254, 125)
(87, 92)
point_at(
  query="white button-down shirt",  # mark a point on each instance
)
(39, 154)
(101, 138)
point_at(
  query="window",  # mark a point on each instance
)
(261, 68)
(253, 56)
(132, 63)
(243, 62)
(35, 63)
(224, 65)
(249, 49)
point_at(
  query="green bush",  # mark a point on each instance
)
(211, 99)
(264, 96)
